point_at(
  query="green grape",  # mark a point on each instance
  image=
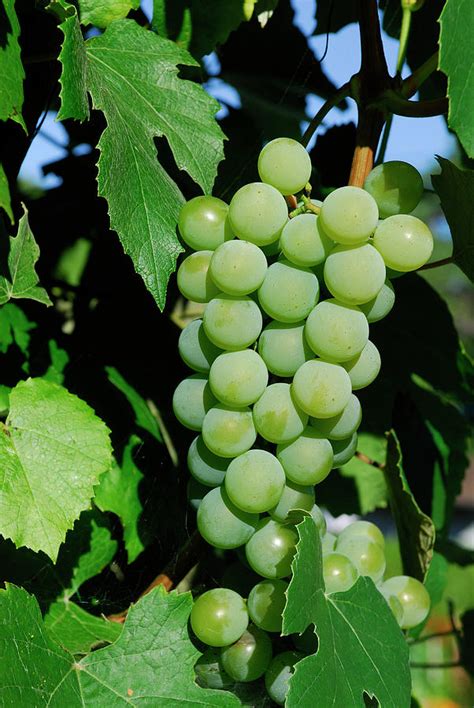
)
(336, 332)
(203, 223)
(343, 425)
(328, 543)
(413, 597)
(221, 523)
(367, 556)
(344, 450)
(238, 378)
(228, 432)
(205, 467)
(288, 293)
(321, 389)
(266, 603)
(238, 267)
(339, 572)
(191, 401)
(404, 242)
(380, 306)
(354, 274)
(272, 249)
(363, 368)
(308, 459)
(271, 549)
(283, 347)
(319, 520)
(396, 607)
(194, 279)
(249, 657)
(255, 481)
(219, 617)
(232, 322)
(195, 348)
(303, 241)
(285, 164)
(195, 492)
(276, 416)
(366, 529)
(396, 186)
(209, 672)
(349, 215)
(257, 213)
(278, 675)
(294, 496)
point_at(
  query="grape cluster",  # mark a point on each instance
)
(282, 345)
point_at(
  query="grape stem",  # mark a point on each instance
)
(164, 433)
(437, 264)
(435, 665)
(369, 461)
(413, 82)
(333, 101)
(434, 635)
(401, 106)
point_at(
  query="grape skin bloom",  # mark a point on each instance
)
(285, 164)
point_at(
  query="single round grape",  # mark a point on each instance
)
(278, 675)
(249, 657)
(396, 186)
(232, 323)
(380, 306)
(205, 467)
(219, 617)
(328, 543)
(288, 293)
(354, 274)
(343, 425)
(238, 267)
(339, 572)
(195, 493)
(257, 213)
(194, 279)
(294, 496)
(238, 378)
(367, 556)
(255, 481)
(221, 523)
(285, 164)
(277, 417)
(404, 242)
(266, 603)
(228, 432)
(344, 450)
(308, 459)
(366, 529)
(272, 249)
(195, 348)
(396, 607)
(304, 242)
(349, 215)
(209, 671)
(192, 399)
(413, 597)
(203, 223)
(319, 520)
(321, 389)
(336, 332)
(363, 368)
(283, 347)
(271, 549)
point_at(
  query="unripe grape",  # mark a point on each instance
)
(294, 496)
(278, 675)
(228, 431)
(341, 426)
(194, 279)
(381, 305)
(354, 274)
(238, 378)
(404, 242)
(271, 549)
(203, 223)
(277, 417)
(396, 186)
(304, 242)
(283, 347)
(255, 481)
(339, 572)
(219, 617)
(336, 332)
(288, 292)
(363, 368)
(221, 523)
(196, 350)
(192, 400)
(257, 213)
(209, 671)
(266, 603)
(368, 557)
(232, 323)
(249, 657)
(308, 459)
(349, 215)
(321, 389)
(205, 467)
(365, 529)
(238, 267)
(344, 450)
(285, 164)
(413, 597)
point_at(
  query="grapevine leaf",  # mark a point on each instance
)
(22, 281)
(102, 13)
(59, 361)
(77, 630)
(14, 327)
(369, 481)
(455, 43)
(5, 201)
(11, 67)
(455, 188)
(143, 415)
(332, 16)
(133, 80)
(361, 648)
(416, 532)
(53, 450)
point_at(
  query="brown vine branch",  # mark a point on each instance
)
(401, 106)
(413, 82)
(437, 264)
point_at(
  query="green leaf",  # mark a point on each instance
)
(77, 630)
(416, 532)
(133, 80)
(455, 43)
(369, 481)
(72, 262)
(143, 415)
(5, 201)
(53, 450)
(360, 646)
(22, 281)
(455, 188)
(118, 492)
(332, 16)
(59, 361)
(11, 67)
(14, 327)
(102, 12)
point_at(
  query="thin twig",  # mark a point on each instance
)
(164, 432)
(401, 106)
(435, 665)
(333, 101)
(434, 635)
(369, 461)
(413, 82)
(437, 264)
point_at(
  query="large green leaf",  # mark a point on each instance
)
(456, 192)
(53, 450)
(360, 646)
(369, 480)
(102, 13)
(133, 79)
(77, 630)
(11, 67)
(143, 415)
(457, 30)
